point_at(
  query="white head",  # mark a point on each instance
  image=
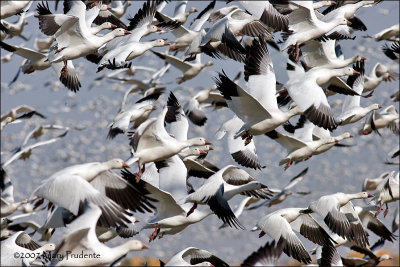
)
(136, 245)
(153, 28)
(350, 71)
(375, 106)
(108, 25)
(364, 195)
(342, 21)
(49, 247)
(120, 32)
(117, 164)
(192, 10)
(160, 42)
(199, 141)
(385, 257)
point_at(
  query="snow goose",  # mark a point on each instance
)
(16, 29)
(10, 8)
(151, 142)
(298, 149)
(267, 255)
(11, 116)
(179, 13)
(264, 115)
(25, 152)
(94, 181)
(170, 215)
(387, 191)
(8, 205)
(38, 61)
(387, 34)
(393, 51)
(281, 195)
(73, 38)
(43, 44)
(189, 70)
(279, 225)
(237, 22)
(374, 261)
(39, 131)
(322, 54)
(118, 8)
(370, 222)
(305, 90)
(351, 110)
(372, 184)
(339, 215)
(378, 74)
(137, 113)
(81, 238)
(221, 187)
(140, 25)
(22, 244)
(305, 26)
(121, 54)
(244, 154)
(193, 109)
(187, 36)
(388, 117)
(192, 256)
(267, 14)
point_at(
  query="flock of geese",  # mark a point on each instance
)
(90, 203)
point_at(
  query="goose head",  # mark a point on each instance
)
(385, 257)
(117, 164)
(49, 247)
(120, 32)
(374, 107)
(159, 42)
(342, 21)
(344, 136)
(192, 10)
(152, 28)
(136, 245)
(199, 141)
(108, 25)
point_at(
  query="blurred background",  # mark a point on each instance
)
(341, 169)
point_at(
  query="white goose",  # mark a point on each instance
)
(179, 13)
(81, 238)
(388, 117)
(339, 215)
(12, 115)
(119, 7)
(221, 187)
(387, 34)
(322, 54)
(21, 243)
(299, 149)
(257, 108)
(151, 142)
(189, 70)
(378, 74)
(305, 90)
(387, 191)
(73, 38)
(137, 113)
(192, 256)
(26, 151)
(16, 29)
(306, 26)
(267, 255)
(39, 61)
(10, 8)
(372, 184)
(244, 154)
(279, 225)
(69, 187)
(8, 204)
(170, 215)
(351, 110)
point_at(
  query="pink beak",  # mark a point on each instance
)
(355, 72)
(127, 32)
(125, 165)
(166, 43)
(348, 23)
(380, 106)
(370, 195)
(202, 152)
(144, 246)
(333, 3)
(364, 58)
(208, 142)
